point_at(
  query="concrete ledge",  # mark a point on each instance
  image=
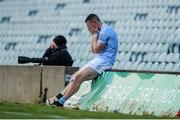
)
(19, 84)
(31, 84)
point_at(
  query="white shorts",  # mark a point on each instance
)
(99, 65)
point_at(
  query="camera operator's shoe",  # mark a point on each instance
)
(56, 103)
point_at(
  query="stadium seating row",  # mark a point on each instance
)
(148, 30)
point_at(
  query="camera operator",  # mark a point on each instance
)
(56, 54)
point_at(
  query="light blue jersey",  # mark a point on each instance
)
(106, 58)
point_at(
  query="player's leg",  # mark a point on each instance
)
(51, 100)
(88, 77)
(85, 73)
(65, 89)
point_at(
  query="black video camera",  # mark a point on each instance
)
(23, 60)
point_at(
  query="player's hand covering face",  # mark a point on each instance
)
(92, 27)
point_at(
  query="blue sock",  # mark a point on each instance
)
(62, 100)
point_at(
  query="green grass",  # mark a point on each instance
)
(31, 111)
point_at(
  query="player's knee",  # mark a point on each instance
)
(77, 79)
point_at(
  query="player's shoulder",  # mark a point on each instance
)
(105, 29)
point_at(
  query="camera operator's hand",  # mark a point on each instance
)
(53, 45)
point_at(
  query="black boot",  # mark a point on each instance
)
(56, 103)
(59, 96)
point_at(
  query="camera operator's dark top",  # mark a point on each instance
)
(58, 56)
